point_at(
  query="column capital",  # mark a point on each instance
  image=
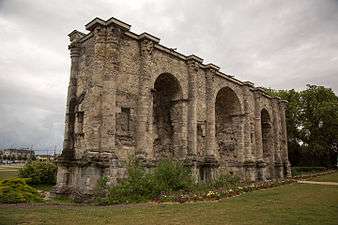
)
(75, 50)
(114, 34)
(212, 68)
(194, 62)
(284, 104)
(100, 33)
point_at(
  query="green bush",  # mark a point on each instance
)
(40, 172)
(171, 176)
(225, 181)
(16, 190)
(136, 188)
(168, 178)
(142, 185)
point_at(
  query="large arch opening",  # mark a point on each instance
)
(227, 122)
(167, 117)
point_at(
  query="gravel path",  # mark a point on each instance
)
(316, 182)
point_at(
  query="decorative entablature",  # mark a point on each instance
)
(78, 37)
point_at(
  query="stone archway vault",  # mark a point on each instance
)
(168, 118)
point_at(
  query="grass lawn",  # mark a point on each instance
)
(8, 171)
(333, 177)
(289, 204)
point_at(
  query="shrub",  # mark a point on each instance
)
(171, 176)
(142, 185)
(225, 181)
(40, 172)
(16, 190)
(136, 188)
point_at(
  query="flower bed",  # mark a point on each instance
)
(222, 193)
(218, 194)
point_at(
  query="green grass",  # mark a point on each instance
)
(8, 171)
(298, 171)
(333, 177)
(289, 204)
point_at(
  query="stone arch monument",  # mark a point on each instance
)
(130, 96)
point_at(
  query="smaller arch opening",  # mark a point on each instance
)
(266, 133)
(167, 116)
(227, 111)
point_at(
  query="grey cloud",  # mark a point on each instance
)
(278, 44)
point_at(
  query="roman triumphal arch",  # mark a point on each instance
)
(130, 96)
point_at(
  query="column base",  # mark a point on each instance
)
(278, 170)
(80, 177)
(249, 170)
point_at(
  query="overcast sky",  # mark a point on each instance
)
(279, 44)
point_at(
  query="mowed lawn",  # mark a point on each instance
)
(289, 204)
(9, 171)
(333, 177)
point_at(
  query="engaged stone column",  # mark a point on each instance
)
(69, 135)
(143, 103)
(94, 113)
(248, 113)
(193, 67)
(210, 98)
(258, 128)
(285, 158)
(259, 142)
(111, 70)
(249, 132)
(276, 158)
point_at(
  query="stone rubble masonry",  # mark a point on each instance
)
(131, 97)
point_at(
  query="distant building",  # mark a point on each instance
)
(44, 157)
(13, 155)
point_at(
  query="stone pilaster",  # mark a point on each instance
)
(193, 67)
(259, 142)
(94, 113)
(248, 114)
(284, 142)
(144, 99)
(111, 70)
(249, 132)
(258, 128)
(69, 135)
(210, 112)
(277, 131)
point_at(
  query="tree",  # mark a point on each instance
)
(312, 124)
(320, 124)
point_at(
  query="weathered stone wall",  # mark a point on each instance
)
(129, 96)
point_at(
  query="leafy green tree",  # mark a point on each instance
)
(320, 124)
(312, 124)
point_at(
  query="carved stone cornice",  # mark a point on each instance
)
(99, 22)
(75, 36)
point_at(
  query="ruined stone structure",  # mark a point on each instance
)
(129, 96)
